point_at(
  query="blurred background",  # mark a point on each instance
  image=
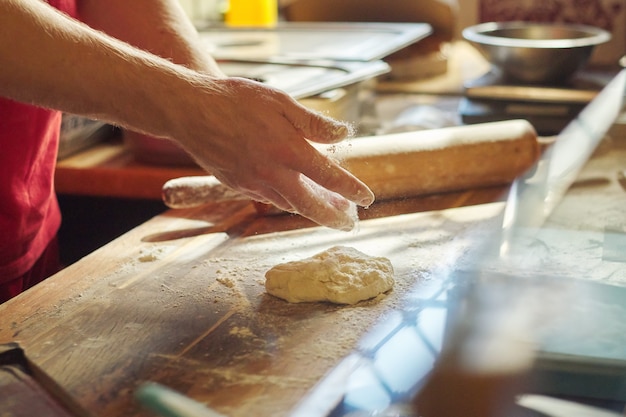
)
(448, 15)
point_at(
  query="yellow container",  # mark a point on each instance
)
(252, 13)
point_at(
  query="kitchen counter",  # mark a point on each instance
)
(110, 168)
(180, 299)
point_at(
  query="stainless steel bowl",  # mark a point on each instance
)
(536, 53)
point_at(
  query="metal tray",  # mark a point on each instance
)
(305, 79)
(298, 41)
(78, 133)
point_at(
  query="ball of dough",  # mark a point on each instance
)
(340, 275)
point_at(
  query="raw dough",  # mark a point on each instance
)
(341, 275)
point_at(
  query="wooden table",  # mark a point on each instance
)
(180, 299)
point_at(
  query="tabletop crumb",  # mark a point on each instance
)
(150, 254)
(241, 332)
(225, 281)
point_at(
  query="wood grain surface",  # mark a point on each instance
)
(180, 299)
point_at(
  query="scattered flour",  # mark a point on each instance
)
(150, 254)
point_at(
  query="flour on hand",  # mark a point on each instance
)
(340, 275)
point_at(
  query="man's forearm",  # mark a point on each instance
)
(232, 126)
(51, 60)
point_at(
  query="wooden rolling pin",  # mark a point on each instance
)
(407, 164)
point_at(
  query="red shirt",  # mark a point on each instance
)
(29, 212)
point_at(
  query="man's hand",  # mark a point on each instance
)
(155, 78)
(254, 139)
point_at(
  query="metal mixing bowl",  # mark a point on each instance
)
(536, 53)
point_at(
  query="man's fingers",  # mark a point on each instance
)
(316, 126)
(316, 203)
(330, 175)
(318, 167)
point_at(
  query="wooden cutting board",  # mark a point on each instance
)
(180, 300)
